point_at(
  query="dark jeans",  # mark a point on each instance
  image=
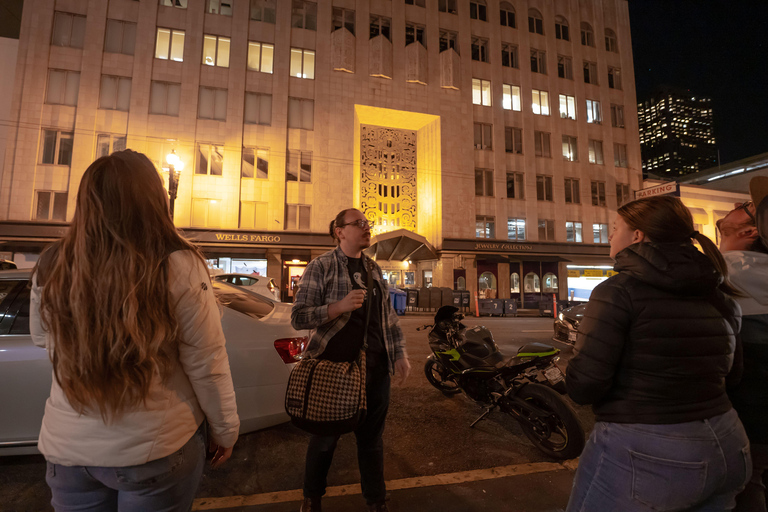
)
(370, 447)
(752, 498)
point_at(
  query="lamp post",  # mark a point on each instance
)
(175, 166)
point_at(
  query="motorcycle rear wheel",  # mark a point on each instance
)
(436, 376)
(559, 434)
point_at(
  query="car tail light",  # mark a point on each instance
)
(290, 349)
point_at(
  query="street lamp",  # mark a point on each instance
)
(175, 166)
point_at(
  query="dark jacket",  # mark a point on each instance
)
(657, 339)
(748, 273)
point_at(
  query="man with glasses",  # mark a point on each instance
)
(741, 233)
(332, 299)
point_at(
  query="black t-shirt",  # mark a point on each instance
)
(346, 344)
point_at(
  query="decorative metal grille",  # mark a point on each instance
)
(388, 177)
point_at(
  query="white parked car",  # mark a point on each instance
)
(261, 344)
(262, 285)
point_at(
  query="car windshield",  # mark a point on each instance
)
(241, 300)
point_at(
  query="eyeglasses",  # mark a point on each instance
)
(361, 223)
(748, 207)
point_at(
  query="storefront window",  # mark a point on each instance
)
(514, 282)
(392, 277)
(550, 283)
(486, 285)
(461, 283)
(427, 278)
(238, 266)
(531, 283)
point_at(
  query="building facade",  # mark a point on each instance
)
(490, 142)
(676, 134)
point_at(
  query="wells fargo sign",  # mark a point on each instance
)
(234, 237)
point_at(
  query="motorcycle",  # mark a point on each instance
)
(528, 386)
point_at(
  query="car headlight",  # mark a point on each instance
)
(560, 317)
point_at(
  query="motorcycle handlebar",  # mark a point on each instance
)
(424, 327)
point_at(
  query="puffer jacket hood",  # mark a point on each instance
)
(675, 268)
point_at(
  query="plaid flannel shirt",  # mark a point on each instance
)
(325, 281)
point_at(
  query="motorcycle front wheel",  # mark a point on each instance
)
(436, 375)
(558, 433)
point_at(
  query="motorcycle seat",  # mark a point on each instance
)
(536, 349)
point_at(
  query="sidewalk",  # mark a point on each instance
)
(535, 487)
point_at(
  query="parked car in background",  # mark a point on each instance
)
(567, 323)
(261, 344)
(262, 285)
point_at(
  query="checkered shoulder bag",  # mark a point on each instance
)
(326, 397)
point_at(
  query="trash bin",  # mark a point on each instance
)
(446, 297)
(545, 307)
(457, 298)
(435, 298)
(491, 307)
(510, 307)
(399, 299)
(413, 298)
(465, 298)
(424, 298)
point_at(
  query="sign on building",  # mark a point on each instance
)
(671, 188)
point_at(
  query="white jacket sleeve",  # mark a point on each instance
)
(202, 351)
(36, 329)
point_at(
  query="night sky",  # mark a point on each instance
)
(715, 48)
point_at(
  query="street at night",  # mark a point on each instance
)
(427, 437)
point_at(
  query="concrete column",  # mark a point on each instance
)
(470, 264)
(503, 282)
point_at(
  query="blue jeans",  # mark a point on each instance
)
(694, 466)
(163, 485)
(370, 447)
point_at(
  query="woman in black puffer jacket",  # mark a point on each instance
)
(655, 345)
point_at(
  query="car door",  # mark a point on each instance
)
(25, 371)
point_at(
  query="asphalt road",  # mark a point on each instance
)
(427, 434)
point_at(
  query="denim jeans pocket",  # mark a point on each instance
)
(666, 485)
(151, 472)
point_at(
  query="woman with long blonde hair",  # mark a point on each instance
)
(125, 307)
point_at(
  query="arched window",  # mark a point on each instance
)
(531, 283)
(587, 35)
(478, 10)
(514, 282)
(486, 285)
(535, 22)
(507, 15)
(550, 283)
(461, 283)
(611, 45)
(561, 29)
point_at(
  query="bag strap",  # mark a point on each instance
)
(369, 284)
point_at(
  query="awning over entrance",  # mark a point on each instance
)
(401, 245)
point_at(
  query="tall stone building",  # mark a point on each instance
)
(676, 133)
(490, 142)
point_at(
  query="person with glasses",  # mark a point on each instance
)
(747, 260)
(332, 299)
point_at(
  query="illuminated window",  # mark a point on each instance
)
(479, 49)
(302, 63)
(513, 140)
(212, 104)
(600, 233)
(587, 35)
(535, 22)
(68, 30)
(550, 283)
(598, 193)
(561, 29)
(564, 67)
(169, 44)
(485, 227)
(478, 10)
(546, 230)
(593, 112)
(596, 153)
(304, 15)
(515, 188)
(484, 182)
(63, 87)
(543, 187)
(573, 231)
(260, 57)
(514, 282)
(263, 10)
(481, 92)
(516, 229)
(510, 99)
(509, 55)
(216, 51)
(567, 107)
(531, 283)
(538, 61)
(572, 193)
(507, 14)
(540, 103)
(541, 144)
(570, 151)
